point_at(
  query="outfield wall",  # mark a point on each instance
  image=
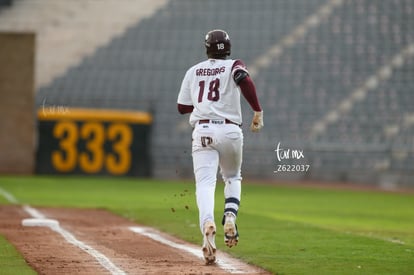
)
(93, 142)
(17, 123)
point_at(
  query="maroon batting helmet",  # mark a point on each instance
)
(217, 44)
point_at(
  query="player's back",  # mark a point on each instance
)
(214, 93)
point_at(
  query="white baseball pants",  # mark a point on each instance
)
(217, 144)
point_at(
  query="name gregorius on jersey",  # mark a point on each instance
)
(210, 72)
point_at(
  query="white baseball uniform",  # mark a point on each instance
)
(217, 137)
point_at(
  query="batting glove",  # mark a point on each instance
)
(257, 122)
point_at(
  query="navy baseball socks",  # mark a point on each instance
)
(231, 208)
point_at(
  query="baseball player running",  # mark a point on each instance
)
(210, 91)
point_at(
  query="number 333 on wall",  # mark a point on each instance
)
(92, 157)
(85, 141)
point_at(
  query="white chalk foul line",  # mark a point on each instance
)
(34, 213)
(70, 238)
(150, 233)
(9, 197)
(39, 219)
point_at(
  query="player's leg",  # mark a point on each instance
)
(205, 163)
(205, 170)
(232, 191)
(230, 167)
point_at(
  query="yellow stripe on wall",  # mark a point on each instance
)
(48, 113)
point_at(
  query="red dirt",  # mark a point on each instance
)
(47, 252)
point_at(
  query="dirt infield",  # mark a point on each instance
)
(49, 253)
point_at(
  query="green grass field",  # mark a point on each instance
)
(285, 229)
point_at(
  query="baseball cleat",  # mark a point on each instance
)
(209, 246)
(231, 235)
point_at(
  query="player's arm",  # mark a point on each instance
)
(248, 89)
(249, 92)
(184, 102)
(185, 109)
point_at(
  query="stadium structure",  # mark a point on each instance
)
(335, 77)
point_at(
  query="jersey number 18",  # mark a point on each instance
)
(213, 93)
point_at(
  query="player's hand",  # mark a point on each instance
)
(257, 122)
